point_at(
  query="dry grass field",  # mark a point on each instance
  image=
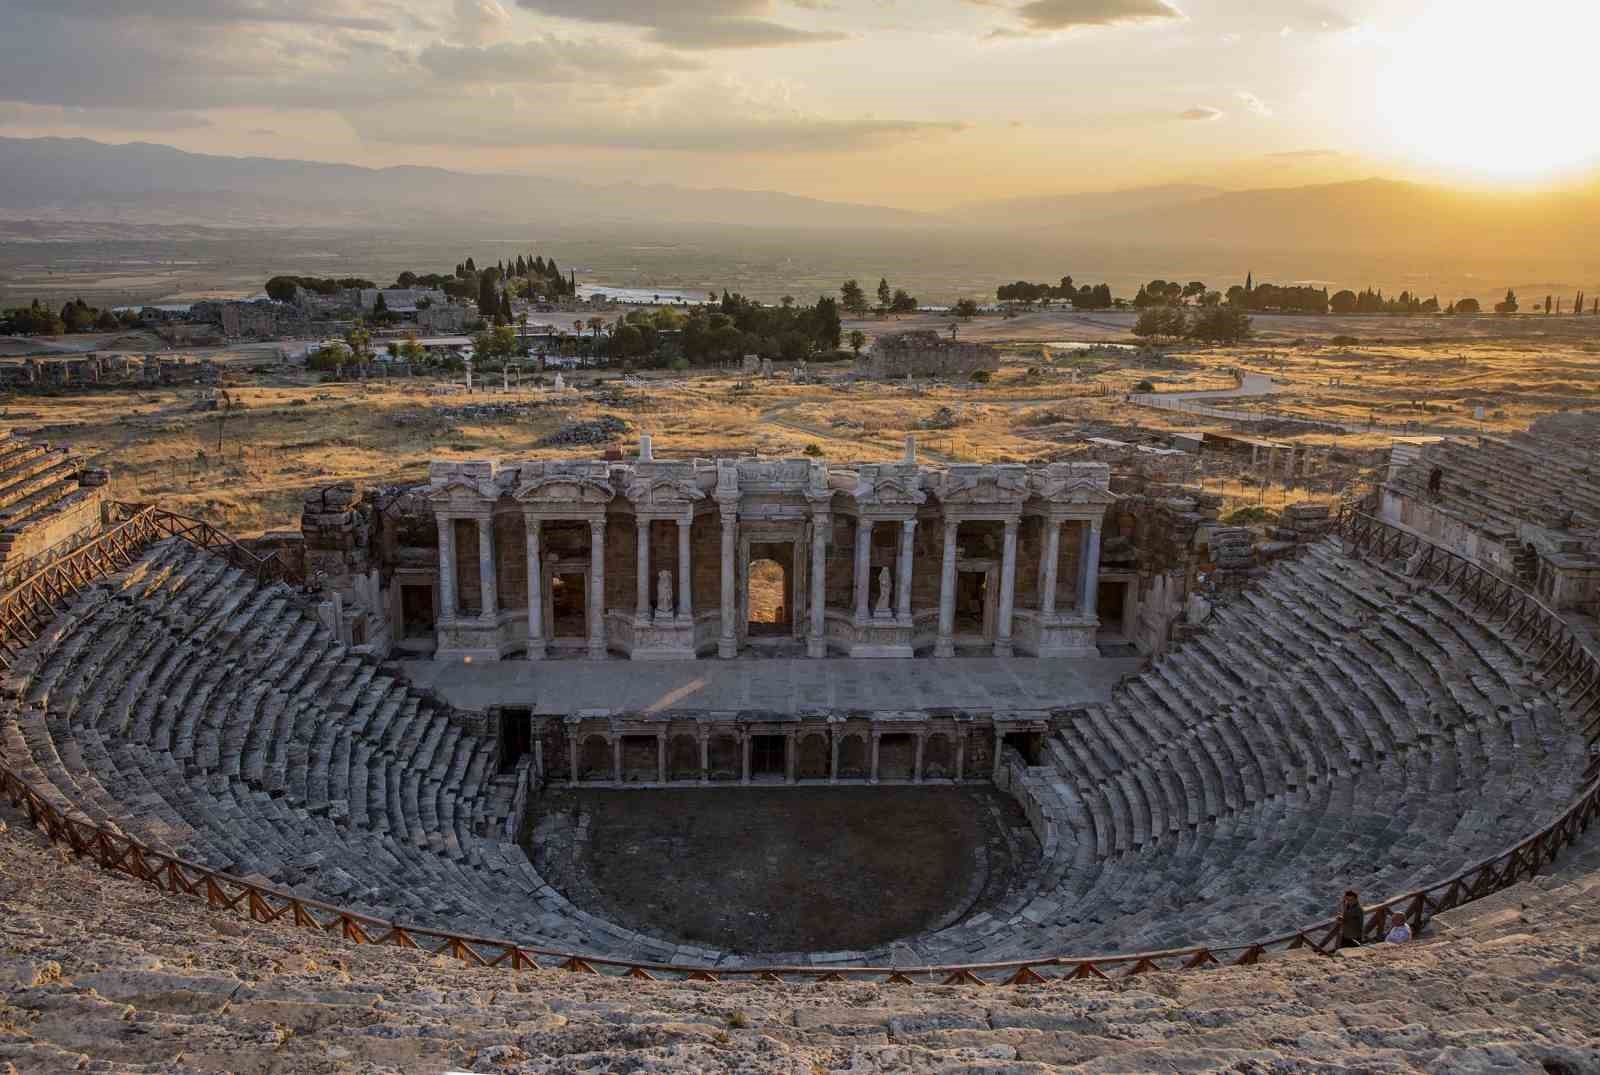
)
(246, 468)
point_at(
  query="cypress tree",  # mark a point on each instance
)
(505, 305)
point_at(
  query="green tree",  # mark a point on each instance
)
(885, 296)
(967, 309)
(858, 340)
(1224, 324)
(852, 297)
(1162, 322)
(1509, 306)
(902, 303)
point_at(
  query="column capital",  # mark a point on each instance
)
(1013, 523)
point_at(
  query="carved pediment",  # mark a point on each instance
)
(564, 489)
(987, 487)
(891, 490)
(461, 488)
(663, 492)
(1075, 491)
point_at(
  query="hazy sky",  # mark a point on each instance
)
(921, 104)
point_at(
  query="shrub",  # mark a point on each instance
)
(813, 450)
(981, 377)
(1344, 341)
(1246, 516)
(1145, 386)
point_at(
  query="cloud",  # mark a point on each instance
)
(1255, 104)
(1051, 15)
(739, 33)
(691, 24)
(480, 21)
(551, 59)
(1200, 113)
(341, 13)
(1305, 154)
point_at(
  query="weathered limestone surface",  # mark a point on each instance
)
(95, 969)
(926, 354)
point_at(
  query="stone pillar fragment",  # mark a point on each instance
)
(661, 757)
(1052, 558)
(1089, 569)
(685, 575)
(642, 603)
(447, 568)
(1008, 591)
(817, 643)
(745, 744)
(616, 758)
(728, 643)
(876, 736)
(902, 580)
(597, 588)
(946, 644)
(536, 648)
(863, 579)
(486, 573)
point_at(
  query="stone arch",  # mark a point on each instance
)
(594, 757)
(683, 757)
(979, 761)
(815, 757)
(854, 763)
(727, 762)
(769, 598)
(938, 757)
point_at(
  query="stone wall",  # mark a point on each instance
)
(926, 354)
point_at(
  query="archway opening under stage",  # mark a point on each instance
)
(782, 870)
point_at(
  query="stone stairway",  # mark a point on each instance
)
(100, 973)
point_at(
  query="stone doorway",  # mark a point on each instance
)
(416, 611)
(767, 757)
(768, 600)
(977, 605)
(568, 605)
(516, 737)
(1111, 600)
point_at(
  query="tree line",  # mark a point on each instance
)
(75, 315)
(1082, 296)
(890, 301)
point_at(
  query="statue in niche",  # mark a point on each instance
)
(885, 592)
(664, 595)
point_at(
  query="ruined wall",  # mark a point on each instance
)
(926, 354)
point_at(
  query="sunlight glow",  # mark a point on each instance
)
(1493, 91)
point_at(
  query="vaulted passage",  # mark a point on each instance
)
(792, 870)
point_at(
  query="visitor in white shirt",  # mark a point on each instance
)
(1399, 929)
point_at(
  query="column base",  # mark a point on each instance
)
(536, 651)
(816, 647)
(944, 647)
(597, 651)
(727, 648)
(1003, 649)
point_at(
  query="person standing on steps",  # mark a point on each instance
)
(1351, 921)
(1435, 481)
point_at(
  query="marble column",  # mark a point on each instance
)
(728, 643)
(447, 569)
(875, 737)
(642, 604)
(487, 597)
(833, 764)
(536, 649)
(863, 576)
(1008, 591)
(999, 745)
(685, 574)
(902, 576)
(616, 758)
(790, 743)
(916, 771)
(817, 643)
(597, 588)
(744, 745)
(946, 645)
(1052, 558)
(961, 754)
(572, 752)
(1089, 569)
(705, 756)
(661, 757)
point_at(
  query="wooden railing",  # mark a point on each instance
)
(198, 532)
(1570, 670)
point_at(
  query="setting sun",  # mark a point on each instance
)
(1506, 105)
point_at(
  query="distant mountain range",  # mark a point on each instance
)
(62, 181)
(76, 179)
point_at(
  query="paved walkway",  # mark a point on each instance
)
(779, 685)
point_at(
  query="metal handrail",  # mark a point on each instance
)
(1577, 672)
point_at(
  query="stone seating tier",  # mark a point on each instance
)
(1332, 727)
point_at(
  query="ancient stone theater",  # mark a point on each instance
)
(806, 718)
